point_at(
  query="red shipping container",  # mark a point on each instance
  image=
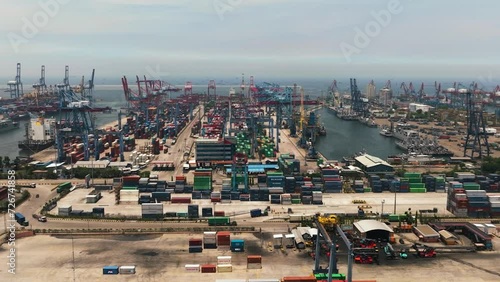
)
(208, 268)
(254, 259)
(223, 238)
(219, 213)
(181, 200)
(215, 200)
(195, 242)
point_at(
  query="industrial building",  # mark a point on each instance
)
(372, 164)
(414, 107)
(214, 151)
(373, 229)
(92, 164)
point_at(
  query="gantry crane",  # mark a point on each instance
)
(16, 85)
(40, 87)
(75, 119)
(323, 222)
(476, 140)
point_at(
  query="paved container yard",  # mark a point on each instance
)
(163, 258)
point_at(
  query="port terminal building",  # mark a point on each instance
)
(372, 164)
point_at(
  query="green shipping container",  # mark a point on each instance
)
(415, 180)
(418, 190)
(367, 189)
(295, 201)
(417, 185)
(214, 221)
(129, 188)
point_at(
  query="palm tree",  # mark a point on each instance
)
(6, 161)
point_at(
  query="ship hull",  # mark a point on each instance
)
(35, 146)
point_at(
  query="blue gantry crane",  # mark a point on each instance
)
(75, 119)
(16, 85)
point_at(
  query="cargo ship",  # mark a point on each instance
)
(40, 134)
(8, 125)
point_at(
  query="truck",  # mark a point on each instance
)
(64, 186)
(255, 213)
(220, 221)
(19, 217)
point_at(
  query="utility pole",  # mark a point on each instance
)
(395, 201)
(73, 251)
(382, 212)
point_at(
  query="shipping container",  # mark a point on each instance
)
(219, 221)
(110, 269)
(224, 260)
(125, 269)
(192, 267)
(256, 213)
(208, 268)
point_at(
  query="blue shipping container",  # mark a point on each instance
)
(110, 269)
(255, 213)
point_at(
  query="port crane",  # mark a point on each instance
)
(16, 85)
(87, 89)
(75, 119)
(211, 91)
(476, 140)
(40, 87)
(421, 93)
(357, 103)
(188, 88)
(331, 222)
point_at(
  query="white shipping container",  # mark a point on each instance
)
(264, 280)
(152, 212)
(209, 240)
(126, 269)
(224, 260)
(209, 234)
(495, 205)
(224, 268)
(492, 229)
(254, 265)
(192, 267)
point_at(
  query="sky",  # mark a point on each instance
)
(179, 40)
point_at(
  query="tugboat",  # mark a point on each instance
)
(7, 125)
(322, 131)
(386, 132)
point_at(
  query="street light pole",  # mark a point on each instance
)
(395, 201)
(382, 212)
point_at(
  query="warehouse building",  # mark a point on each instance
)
(214, 151)
(373, 229)
(414, 107)
(372, 164)
(92, 164)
